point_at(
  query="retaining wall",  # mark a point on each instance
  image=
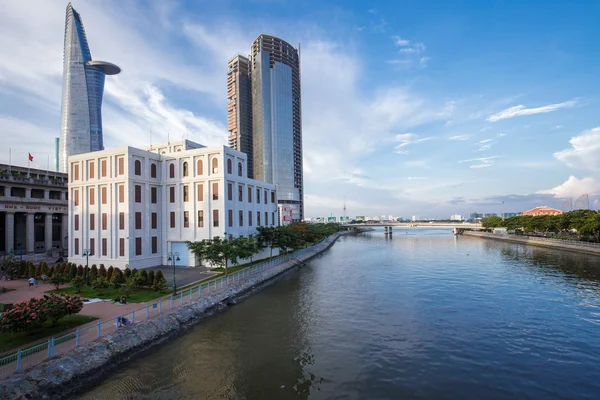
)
(78, 370)
(540, 242)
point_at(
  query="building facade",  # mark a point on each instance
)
(82, 92)
(239, 108)
(131, 207)
(33, 211)
(542, 210)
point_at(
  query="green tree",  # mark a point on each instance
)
(198, 249)
(102, 271)
(268, 236)
(491, 222)
(118, 278)
(58, 280)
(9, 266)
(144, 277)
(150, 278)
(128, 287)
(127, 273)
(591, 226)
(93, 273)
(72, 271)
(100, 283)
(109, 273)
(78, 283)
(221, 252)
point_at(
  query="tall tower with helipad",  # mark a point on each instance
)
(82, 91)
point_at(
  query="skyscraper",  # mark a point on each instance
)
(277, 120)
(239, 108)
(83, 87)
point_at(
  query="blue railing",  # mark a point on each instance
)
(26, 358)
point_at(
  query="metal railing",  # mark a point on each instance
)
(26, 358)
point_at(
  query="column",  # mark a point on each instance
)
(48, 232)
(9, 229)
(29, 233)
(46, 194)
(64, 231)
(27, 193)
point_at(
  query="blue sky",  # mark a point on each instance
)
(422, 108)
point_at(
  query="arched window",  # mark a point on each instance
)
(171, 170)
(153, 170)
(164, 152)
(199, 167)
(240, 169)
(185, 168)
(215, 165)
(229, 166)
(138, 167)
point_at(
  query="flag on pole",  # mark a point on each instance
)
(30, 157)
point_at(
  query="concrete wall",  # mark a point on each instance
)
(68, 374)
(550, 243)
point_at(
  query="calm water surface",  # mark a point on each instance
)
(423, 315)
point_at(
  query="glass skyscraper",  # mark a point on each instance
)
(83, 87)
(276, 120)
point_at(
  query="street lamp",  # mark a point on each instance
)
(172, 257)
(87, 253)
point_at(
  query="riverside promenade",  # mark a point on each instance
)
(557, 244)
(74, 362)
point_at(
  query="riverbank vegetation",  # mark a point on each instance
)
(229, 250)
(573, 225)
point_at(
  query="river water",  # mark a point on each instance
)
(422, 315)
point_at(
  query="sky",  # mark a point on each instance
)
(425, 108)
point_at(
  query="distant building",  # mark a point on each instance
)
(82, 91)
(239, 109)
(456, 217)
(475, 216)
(33, 211)
(542, 210)
(487, 215)
(131, 206)
(414, 218)
(509, 215)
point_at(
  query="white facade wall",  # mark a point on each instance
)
(187, 175)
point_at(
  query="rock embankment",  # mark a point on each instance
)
(73, 372)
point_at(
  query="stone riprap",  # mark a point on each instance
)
(64, 376)
(540, 242)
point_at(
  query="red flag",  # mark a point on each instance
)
(30, 157)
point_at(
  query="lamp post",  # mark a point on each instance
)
(172, 257)
(87, 253)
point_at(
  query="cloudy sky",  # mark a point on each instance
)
(409, 107)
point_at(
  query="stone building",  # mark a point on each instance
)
(132, 207)
(542, 210)
(33, 211)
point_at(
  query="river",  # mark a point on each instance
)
(421, 315)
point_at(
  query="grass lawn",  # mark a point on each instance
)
(10, 341)
(137, 296)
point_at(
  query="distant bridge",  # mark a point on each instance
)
(417, 225)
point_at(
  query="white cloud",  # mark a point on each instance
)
(584, 152)
(399, 41)
(573, 188)
(482, 162)
(407, 139)
(460, 137)
(485, 144)
(521, 110)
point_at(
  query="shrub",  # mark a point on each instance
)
(102, 271)
(118, 278)
(109, 273)
(100, 283)
(128, 287)
(80, 271)
(77, 282)
(144, 277)
(93, 273)
(150, 280)
(29, 316)
(38, 270)
(72, 271)
(158, 278)
(134, 271)
(23, 269)
(30, 269)
(161, 285)
(58, 280)
(45, 268)
(127, 273)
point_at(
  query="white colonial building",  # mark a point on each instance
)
(131, 207)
